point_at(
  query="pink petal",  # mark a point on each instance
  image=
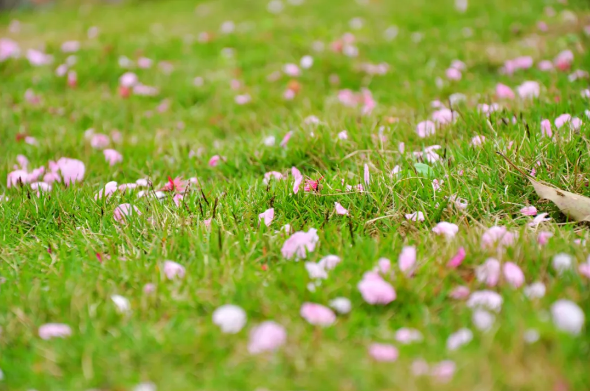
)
(457, 259)
(384, 265)
(300, 244)
(267, 336)
(513, 274)
(367, 175)
(529, 211)
(112, 157)
(340, 209)
(375, 290)
(54, 330)
(425, 129)
(460, 293)
(383, 352)
(543, 237)
(298, 179)
(445, 229)
(504, 92)
(546, 128)
(317, 314)
(173, 270)
(489, 272)
(124, 210)
(407, 260)
(286, 139)
(268, 215)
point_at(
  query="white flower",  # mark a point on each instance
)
(567, 316)
(230, 318)
(341, 305)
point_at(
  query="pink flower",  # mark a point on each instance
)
(299, 244)
(173, 270)
(128, 80)
(457, 259)
(416, 216)
(540, 218)
(425, 129)
(286, 139)
(562, 120)
(367, 175)
(54, 330)
(375, 290)
(443, 371)
(513, 274)
(112, 157)
(543, 237)
(504, 92)
(529, 211)
(267, 336)
(446, 229)
(72, 170)
(124, 210)
(340, 209)
(298, 179)
(529, 90)
(268, 215)
(497, 237)
(489, 272)
(407, 260)
(383, 352)
(460, 293)
(214, 161)
(317, 314)
(453, 74)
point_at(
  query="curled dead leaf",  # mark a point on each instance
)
(573, 205)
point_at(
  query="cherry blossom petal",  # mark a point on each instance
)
(317, 314)
(267, 336)
(383, 352)
(54, 330)
(229, 318)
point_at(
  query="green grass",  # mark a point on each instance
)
(48, 262)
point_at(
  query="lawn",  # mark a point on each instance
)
(328, 168)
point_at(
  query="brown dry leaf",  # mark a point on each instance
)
(571, 204)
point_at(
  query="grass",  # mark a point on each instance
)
(49, 244)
